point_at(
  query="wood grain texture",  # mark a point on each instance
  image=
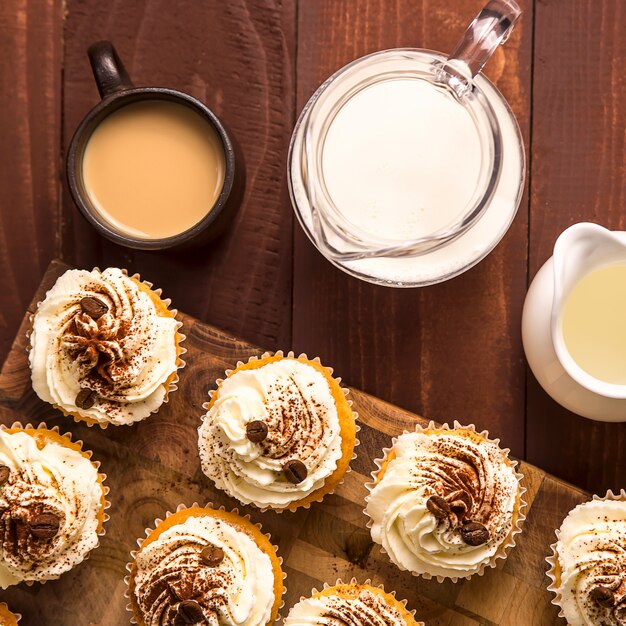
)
(154, 466)
(450, 350)
(579, 174)
(30, 101)
(237, 57)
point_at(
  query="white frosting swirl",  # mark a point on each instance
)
(591, 552)
(57, 480)
(125, 356)
(239, 591)
(365, 609)
(475, 480)
(295, 401)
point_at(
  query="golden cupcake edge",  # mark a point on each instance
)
(162, 306)
(241, 523)
(347, 420)
(469, 431)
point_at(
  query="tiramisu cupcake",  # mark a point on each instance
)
(6, 617)
(104, 347)
(205, 566)
(279, 432)
(52, 505)
(351, 603)
(445, 502)
(588, 563)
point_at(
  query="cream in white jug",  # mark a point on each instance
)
(593, 323)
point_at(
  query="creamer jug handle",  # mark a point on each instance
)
(490, 28)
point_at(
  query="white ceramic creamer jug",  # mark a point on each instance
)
(571, 310)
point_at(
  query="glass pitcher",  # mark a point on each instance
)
(406, 167)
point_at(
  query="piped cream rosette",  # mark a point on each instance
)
(445, 502)
(353, 604)
(588, 563)
(52, 504)
(206, 566)
(105, 347)
(279, 432)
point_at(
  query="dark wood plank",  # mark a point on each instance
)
(579, 174)
(30, 101)
(238, 58)
(451, 350)
(153, 466)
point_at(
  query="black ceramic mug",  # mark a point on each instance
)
(116, 91)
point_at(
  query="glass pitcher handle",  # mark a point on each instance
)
(490, 28)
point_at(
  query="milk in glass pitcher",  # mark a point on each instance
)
(574, 323)
(406, 166)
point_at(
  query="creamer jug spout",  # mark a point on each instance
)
(580, 249)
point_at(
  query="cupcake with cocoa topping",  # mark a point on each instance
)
(279, 432)
(445, 502)
(104, 347)
(205, 566)
(52, 505)
(6, 617)
(351, 603)
(588, 563)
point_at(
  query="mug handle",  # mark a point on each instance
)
(109, 72)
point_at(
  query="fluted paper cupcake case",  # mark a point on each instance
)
(17, 616)
(180, 363)
(368, 581)
(504, 547)
(183, 507)
(103, 477)
(295, 505)
(552, 559)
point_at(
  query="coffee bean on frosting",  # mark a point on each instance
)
(86, 398)
(212, 555)
(474, 534)
(44, 526)
(438, 507)
(94, 307)
(603, 596)
(295, 471)
(256, 431)
(190, 612)
(5, 472)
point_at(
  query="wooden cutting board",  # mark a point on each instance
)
(153, 466)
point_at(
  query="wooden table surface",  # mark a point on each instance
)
(448, 351)
(153, 466)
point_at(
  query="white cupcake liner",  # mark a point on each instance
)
(182, 507)
(295, 505)
(368, 581)
(17, 616)
(103, 477)
(180, 363)
(503, 548)
(553, 561)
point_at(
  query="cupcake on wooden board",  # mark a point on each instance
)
(351, 603)
(7, 618)
(279, 432)
(52, 504)
(445, 502)
(588, 563)
(207, 567)
(104, 347)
